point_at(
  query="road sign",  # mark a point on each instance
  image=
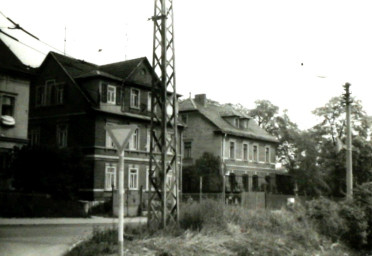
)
(120, 135)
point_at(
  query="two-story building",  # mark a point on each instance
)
(247, 151)
(14, 96)
(71, 103)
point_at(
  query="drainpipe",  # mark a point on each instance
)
(223, 170)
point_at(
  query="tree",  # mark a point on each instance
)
(58, 172)
(330, 133)
(207, 166)
(264, 113)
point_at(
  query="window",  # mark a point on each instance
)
(39, 96)
(148, 139)
(246, 182)
(135, 98)
(35, 137)
(7, 105)
(62, 135)
(245, 151)
(255, 153)
(110, 176)
(267, 154)
(232, 149)
(133, 179)
(111, 94)
(255, 183)
(184, 118)
(237, 122)
(134, 142)
(148, 183)
(149, 95)
(187, 149)
(59, 94)
(51, 93)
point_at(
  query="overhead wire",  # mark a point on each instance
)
(50, 46)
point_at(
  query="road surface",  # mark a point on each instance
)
(43, 240)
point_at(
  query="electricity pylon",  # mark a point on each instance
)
(163, 204)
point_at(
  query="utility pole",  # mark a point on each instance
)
(163, 207)
(349, 158)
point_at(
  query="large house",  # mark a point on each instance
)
(71, 103)
(14, 96)
(247, 151)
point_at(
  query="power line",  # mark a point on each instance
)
(17, 26)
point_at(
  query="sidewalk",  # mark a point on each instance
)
(68, 221)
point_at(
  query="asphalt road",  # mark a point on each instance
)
(43, 240)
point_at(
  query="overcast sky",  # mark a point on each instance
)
(235, 51)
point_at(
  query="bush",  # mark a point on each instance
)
(363, 198)
(196, 216)
(343, 221)
(356, 228)
(324, 214)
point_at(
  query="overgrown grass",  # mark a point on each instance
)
(211, 228)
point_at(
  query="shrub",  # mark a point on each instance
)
(324, 214)
(343, 221)
(363, 198)
(196, 216)
(356, 224)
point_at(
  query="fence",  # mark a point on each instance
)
(249, 200)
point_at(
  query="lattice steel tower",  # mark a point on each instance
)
(163, 204)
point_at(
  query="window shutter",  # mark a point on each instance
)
(118, 95)
(104, 92)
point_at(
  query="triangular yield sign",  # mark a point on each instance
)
(120, 134)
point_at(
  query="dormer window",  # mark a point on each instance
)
(237, 122)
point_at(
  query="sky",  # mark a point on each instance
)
(295, 53)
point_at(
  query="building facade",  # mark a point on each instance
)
(14, 98)
(247, 152)
(71, 103)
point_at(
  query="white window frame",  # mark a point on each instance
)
(234, 156)
(12, 99)
(132, 98)
(110, 176)
(245, 157)
(133, 178)
(134, 143)
(62, 135)
(267, 157)
(111, 94)
(257, 153)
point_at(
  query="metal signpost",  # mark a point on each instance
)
(120, 135)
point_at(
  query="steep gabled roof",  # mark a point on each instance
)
(10, 62)
(78, 69)
(74, 67)
(122, 69)
(215, 113)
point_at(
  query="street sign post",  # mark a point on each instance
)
(120, 135)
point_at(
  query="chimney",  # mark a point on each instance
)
(201, 99)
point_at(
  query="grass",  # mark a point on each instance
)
(211, 228)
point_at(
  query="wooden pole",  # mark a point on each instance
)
(200, 188)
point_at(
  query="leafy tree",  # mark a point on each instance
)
(207, 166)
(59, 172)
(329, 135)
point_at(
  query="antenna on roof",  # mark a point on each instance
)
(64, 49)
(126, 41)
